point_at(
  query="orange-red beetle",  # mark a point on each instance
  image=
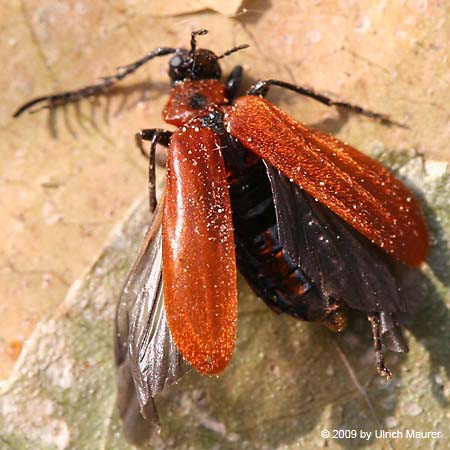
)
(314, 226)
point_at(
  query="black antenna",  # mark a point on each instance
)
(233, 50)
(201, 32)
(53, 100)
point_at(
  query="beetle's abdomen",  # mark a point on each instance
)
(271, 273)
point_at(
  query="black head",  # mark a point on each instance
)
(197, 64)
(202, 64)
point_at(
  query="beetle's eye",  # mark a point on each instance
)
(176, 61)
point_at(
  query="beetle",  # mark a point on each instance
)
(314, 226)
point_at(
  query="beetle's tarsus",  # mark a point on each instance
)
(383, 370)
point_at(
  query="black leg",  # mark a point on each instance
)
(262, 87)
(51, 101)
(374, 319)
(233, 83)
(155, 136)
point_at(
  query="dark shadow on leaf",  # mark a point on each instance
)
(94, 106)
(79, 117)
(333, 125)
(432, 324)
(67, 122)
(439, 256)
(253, 11)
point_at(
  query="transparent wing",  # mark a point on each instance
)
(146, 355)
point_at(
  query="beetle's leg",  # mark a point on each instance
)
(261, 88)
(374, 319)
(54, 100)
(233, 83)
(155, 136)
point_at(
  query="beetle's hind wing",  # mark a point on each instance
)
(146, 355)
(343, 263)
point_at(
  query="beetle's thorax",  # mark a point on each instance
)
(190, 99)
